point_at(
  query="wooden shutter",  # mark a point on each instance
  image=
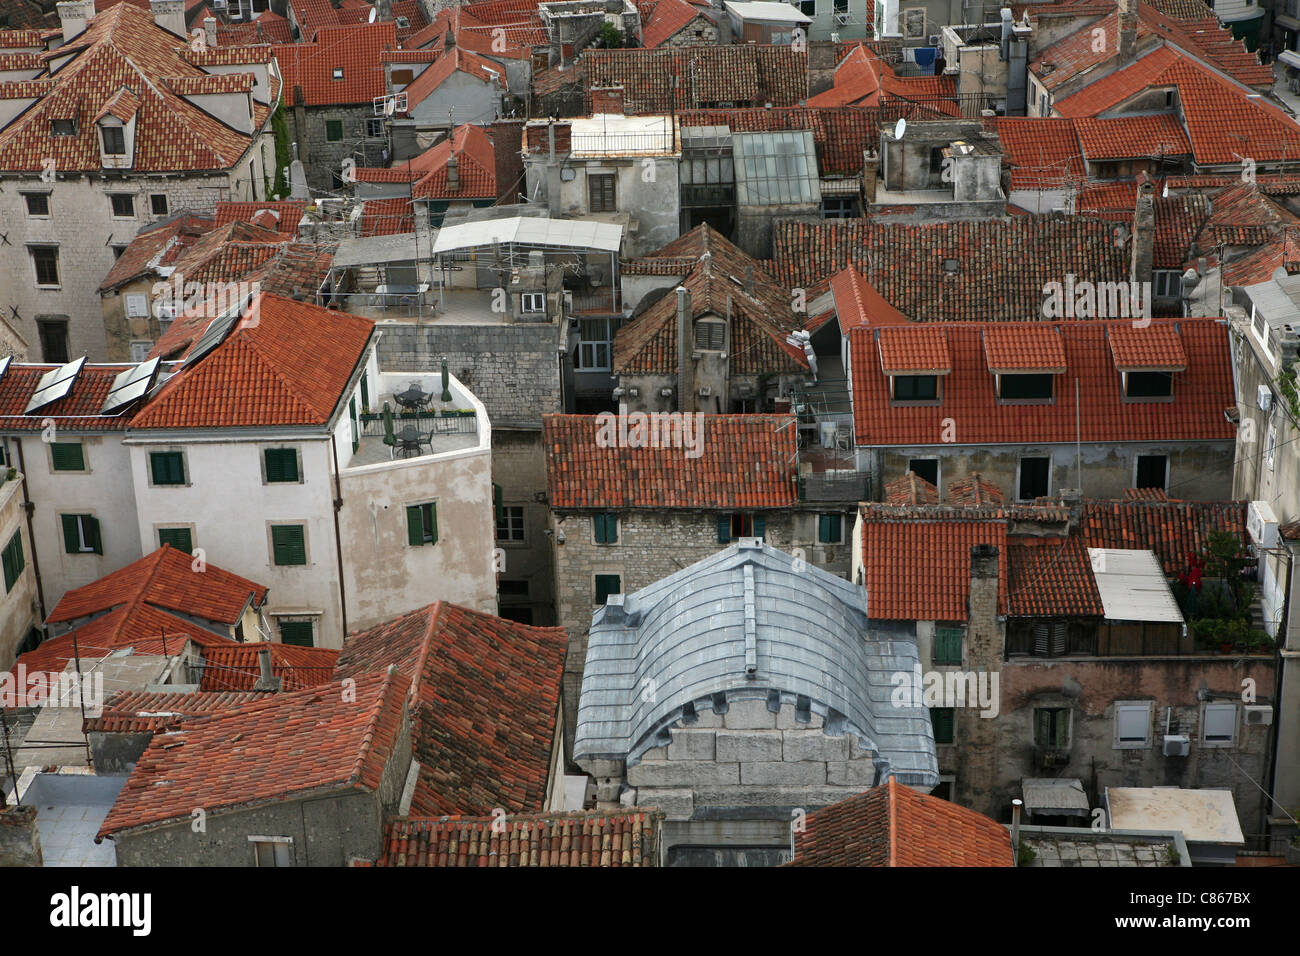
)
(414, 526)
(724, 529)
(760, 526)
(67, 456)
(178, 538)
(433, 522)
(365, 391)
(13, 560)
(71, 539)
(281, 464)
(289, 544)
(92, 533)
(297, 633)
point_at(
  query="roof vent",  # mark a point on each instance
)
(951, 267)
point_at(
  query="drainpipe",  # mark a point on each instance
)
(338, 537)
(29, 509)
(1015, 827)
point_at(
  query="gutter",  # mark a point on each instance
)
(338, 537)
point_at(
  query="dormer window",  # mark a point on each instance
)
(63, 127)
(338, 72)
(1025, 388)
(914, 358)
(710, 335)
(1148, 384)
(403, 23)
(114, 140)
(915, 388)
(1147, 358)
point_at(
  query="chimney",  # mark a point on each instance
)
(170, 15)
(449, 42)
(607, 99)
(685, 346)
(1144, 231)
(1015, 826)
(383, 10)
(982, 608)
(550, 139)
(74, 16)
(870, 166)
(453, 174)
(1072, 498)
(266, 680)
(1128, 24)
(210, 30)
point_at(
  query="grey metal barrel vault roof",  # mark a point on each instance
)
(692, 638)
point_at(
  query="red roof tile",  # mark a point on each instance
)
(1131, 137)
(156, 246)
(893, 825)
(746, 461)
(911, 490)
(78, 411)
(266, 27)
(427, 173)
(290, 745)
(1051, 577)
(974, 491)
(739, 74)
(1043, 153)
(139, 711)
(913, 351)
(357, 51)
(668, 18)
(237, 667)
(1171, 529)
(485, 704)
(1023, 349)
(1201, 393)
(858, 304)
(281, 216)
(1149, 348)
(458, 60)
(864, 79)
(595, 838)
(387, 217)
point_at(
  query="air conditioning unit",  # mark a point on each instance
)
(1177, 745)
(1258, 715)
(1261, 523)
(1264, 398)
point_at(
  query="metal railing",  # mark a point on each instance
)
(597, 301)
(426, 423)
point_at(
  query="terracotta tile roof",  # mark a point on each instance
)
(1023, 349)
(747, 461)
(476, 168)
(122, 48)
(212, 83)
(314, 17)
(1002, 265)
(1262, 263)
(725, 282)
(1244, 215)
(913, 351)
(237, 667)
(1172, 529)
(10, 39)
(1153, 347)
(355, 50)
(1179, 219)
(156, 246)
(139, 711)
(484, 704)
(917, 564)
(740, 74)
(459, 60)
(893, 825)
(387, 217)
(1272, 185)
(280, 216)
(285, 363)
(858, 304)
(974, 491)
(1131, 137)
(79, 411)
(1051, 577)
(266, 27)
(228, 56)
(1043, 152)
(911, 490)
(595, 838)
(290, 745)
(840, 136)
(666, 19)
(863, 79)
(1201, 393)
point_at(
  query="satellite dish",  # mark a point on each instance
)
(373, 13)
(900, 128)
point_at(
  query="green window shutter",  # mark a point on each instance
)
(724, 529)
(178, 538)
(432, 529)
(281, 464)
(356, 429)
(941, 718)
(414, 526)
(298, 633)
(947, 645)
(760, 526)
(67, 456)
(606, 528)
(333, 130)
(824, 528)
(607, 584)
(288, 544)
(13, 561)
(92, 534)
(168, 467)
(365, 391)
(71, 539)
(496, 499)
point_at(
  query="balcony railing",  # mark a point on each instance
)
(597, 302)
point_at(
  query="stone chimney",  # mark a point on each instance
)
(685, 348)
(984, 637)
(169, 14)
(74, 16)
(383, 9)
(870, 165)
(1072, 498)
(266, 681)
(607, 99)
(1128, 25)
(453, 174)
(1144, 230)
(210, 31)
(977, 761)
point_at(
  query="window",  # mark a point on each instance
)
(1166, 283)
(12, 559)
(67, 456)
(167, 467)
(839, 207)
(607, 584)
(281, 464)
(947, 645)
(507, 588)
(402, 78)
(63, 127)
(1148, 384)
(123, 205)
(510, 523)
(288, 544)
(595, 338)
(710, 334)
(158, 204)
(600, 193)
(182, 539)
(422, 524)
(54, 340)
(375, 128)
(38, 204)
(1219, 724)
(936, 159)
(272, 851)
(532, 302)
(927, 469)
(338, 72)
(1052, 727)
(1151, 471)
(808, 7)
(830, 529)
(114, 140)
(334, 130)
(942, 720)
(298, 633)
(81, 534)
(916, 388)
(140, 350)
(46, 261)
(1025, 387)
(1132, 724)
(605, 527)
(118, 249)
(1035, 478)
(740, 525)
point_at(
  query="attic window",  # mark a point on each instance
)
(63, 127)
(710, 335)
(403, 23)
(915, 388)
(1024, 388)
(338, 72)
(1148, 385)
(951, 267)
(114, 140)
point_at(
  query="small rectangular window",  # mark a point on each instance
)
(288, 544)
(1035, 478)
(607, 584)
(916, 388)
(123, 205)
(532, 302)
(1152, 471)
(67, 456)
(1025, 387)
(114, 140)
(510, 523)
(273, 852)
(182, 539)
(927, 469)
(333, 130)
(1052, 727)
(54, 340)
(375, 128)
(422, 524)
(942, 719)
(1132, 724)
(298, 633)
(1219, 724)
(1148, 384)
(601, 192)
(606, 528)
(710, 335)
(158, 204)
(63, 127)
(81, 534)
(830, 529)
(167, 467)
(281, 465)
(947, 645)
(38, 204)
(46, 261)
(13, 561)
